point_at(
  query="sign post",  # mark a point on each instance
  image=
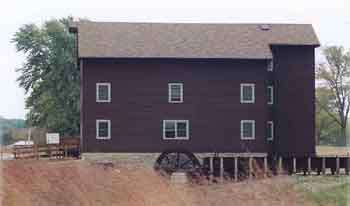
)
(52, 138)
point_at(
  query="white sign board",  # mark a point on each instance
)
(52, 138)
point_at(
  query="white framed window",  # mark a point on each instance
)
(270, 130)
(175, 130)
(270, 65)
(103, 129)
(103, 92)
(175, 92)
(247, 129)
(270, 94)
(247, 93)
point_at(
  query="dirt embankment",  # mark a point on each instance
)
(29, 183)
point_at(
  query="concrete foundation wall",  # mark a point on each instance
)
(146, 159)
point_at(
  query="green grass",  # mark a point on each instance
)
(326, 190)
(337, 195)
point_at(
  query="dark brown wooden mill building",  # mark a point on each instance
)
(233, 89)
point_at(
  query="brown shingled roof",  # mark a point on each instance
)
(188, 40)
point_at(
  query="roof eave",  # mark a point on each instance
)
(313, 45)
(179, 58)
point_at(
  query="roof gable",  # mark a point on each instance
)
(188, 40)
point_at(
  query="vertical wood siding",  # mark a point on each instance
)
(294, 110)
(211, 104)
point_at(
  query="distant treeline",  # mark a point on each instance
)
(7, 126)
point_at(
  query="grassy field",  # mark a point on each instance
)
(325, 190)
(337, 195)
(78, 182)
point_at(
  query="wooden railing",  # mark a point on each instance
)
(57, 151)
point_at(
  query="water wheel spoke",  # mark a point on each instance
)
(185, 163)
(177, 160)
(167, 159)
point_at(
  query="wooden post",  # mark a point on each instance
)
(294, 165)
(347, 164)
(33, 152)
(36, 151)
(323, 165)
(309, 165)
(221, 169)
(57, 149)
(79, 150)
(236, 169)
(211, 168)
(60, 151)
(14, 152)
(65, 151)
(1, 152)
(49, 150)
(265, 166)
(280, 165)
(250, 168)
(337, 165)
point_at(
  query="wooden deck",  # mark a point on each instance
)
(332, 151)
(253, 165)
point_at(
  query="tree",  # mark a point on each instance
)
(334, 75)
(327, 129)
(6, 128)
(50, 75)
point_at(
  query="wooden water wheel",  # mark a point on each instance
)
(177, 161)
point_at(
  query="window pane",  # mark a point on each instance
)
(247, 93)
(247, 129)
(103, 92)
(269, 130)
(169, 129)
(176, 88)
(103, 129)
(270, 94)
(175, 92)
(270, 66)
(181, 129)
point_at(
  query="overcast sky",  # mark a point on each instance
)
(331, 20)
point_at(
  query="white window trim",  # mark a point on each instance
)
(270, 65)
(97, 128)
(170, 93)
(270, 101)
(253, 93)
(271, 126)
(109, 92)
(177, 138)
(253, 132)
